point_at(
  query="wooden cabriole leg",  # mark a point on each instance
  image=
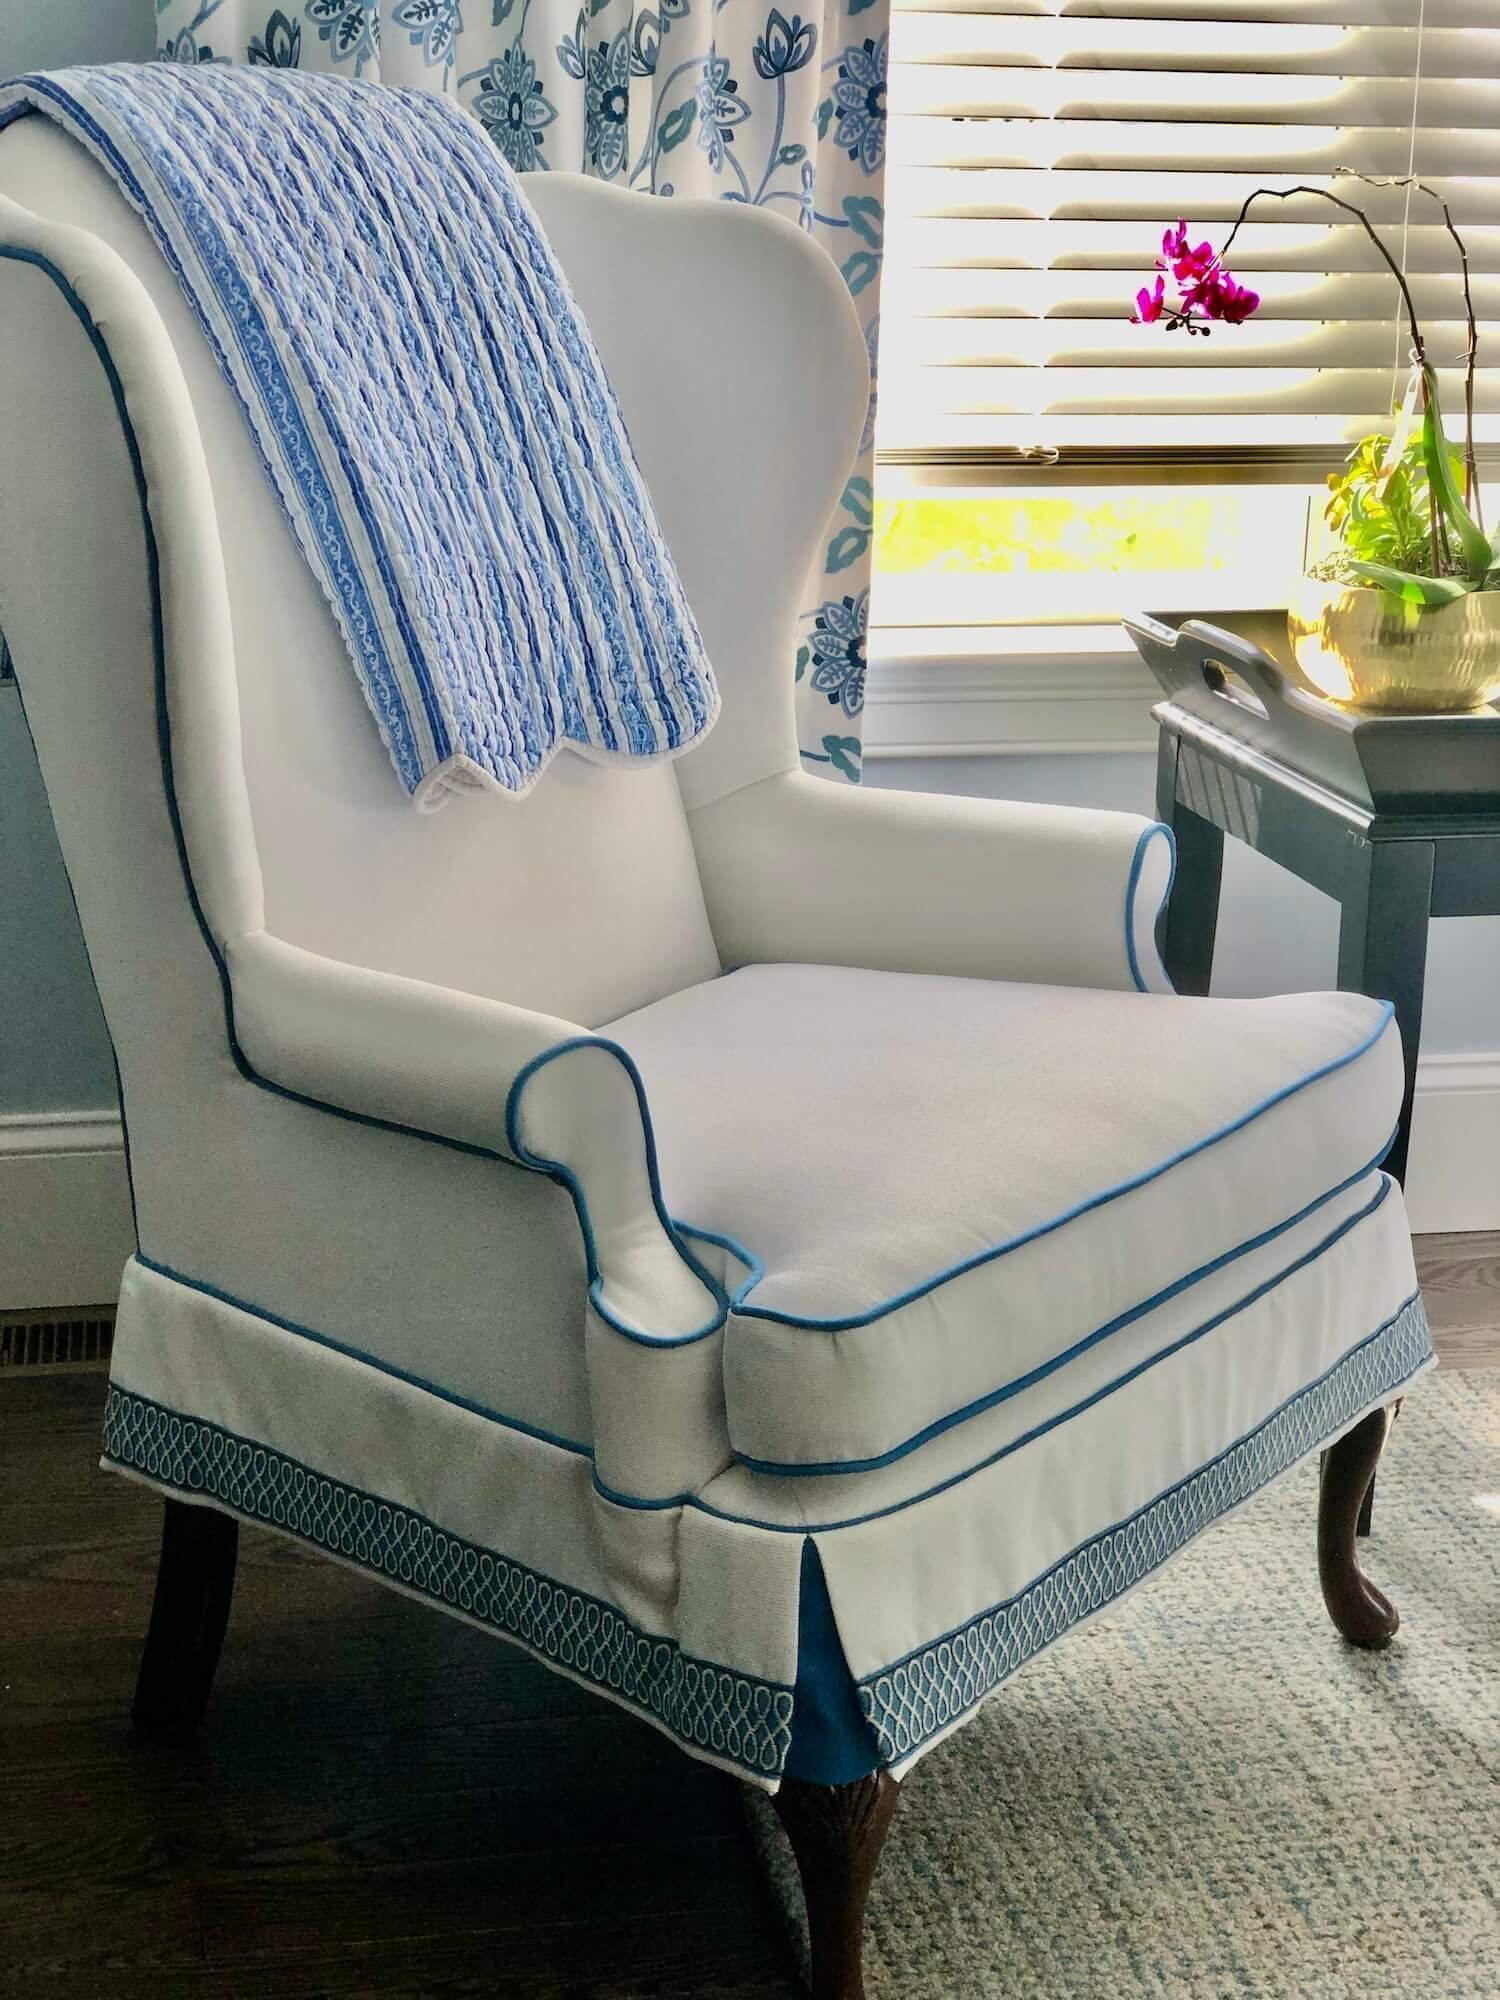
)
(194, 1585)
(1364, 1615)
(837, 1832)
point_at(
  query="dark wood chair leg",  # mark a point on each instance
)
(194, 1585)
(1364, 1615)
(837, 1832)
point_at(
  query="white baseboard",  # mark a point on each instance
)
(65, 1223)
(1008, 693)
(66, 1228)
(1453, 1175)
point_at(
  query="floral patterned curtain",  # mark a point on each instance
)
(734, 98)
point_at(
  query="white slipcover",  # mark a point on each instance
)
(429, 1275)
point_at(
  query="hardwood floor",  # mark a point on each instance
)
(385, 1803)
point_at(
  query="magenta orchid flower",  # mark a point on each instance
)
(1206, 291)
(1150, 305)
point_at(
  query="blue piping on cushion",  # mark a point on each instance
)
(360, 1354)
(1137, 863)
(791, 1468)
(241, 1061)
(1359, 1346)
(557, 1171)
(849, 1321)
(833, 1742)
(755, 1269)
(1005, 1451)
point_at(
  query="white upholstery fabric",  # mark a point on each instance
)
(744, 485)
(919, 882)
(873, 1140)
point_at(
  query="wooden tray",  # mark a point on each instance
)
(1400, 764)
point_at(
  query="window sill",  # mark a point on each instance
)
(1006, 691)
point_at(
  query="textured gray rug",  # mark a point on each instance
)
(1207, 1794)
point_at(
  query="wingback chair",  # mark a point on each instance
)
(779, 1253)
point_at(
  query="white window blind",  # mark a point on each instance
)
(1037, 150)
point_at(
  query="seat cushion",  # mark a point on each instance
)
(936, 1192)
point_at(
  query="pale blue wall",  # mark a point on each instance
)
(54, 1053)
(42, 34)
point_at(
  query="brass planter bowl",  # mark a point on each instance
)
(1366, 649)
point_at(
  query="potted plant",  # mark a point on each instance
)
(1405, 614)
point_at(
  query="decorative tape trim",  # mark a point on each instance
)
(920, 1697)
(733, 1716)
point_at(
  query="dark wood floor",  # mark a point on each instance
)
(385, 1803)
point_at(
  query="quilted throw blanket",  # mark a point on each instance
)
(428, 404)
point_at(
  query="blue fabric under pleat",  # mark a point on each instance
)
(832, 1742)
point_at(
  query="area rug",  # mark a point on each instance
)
(1206, 1793)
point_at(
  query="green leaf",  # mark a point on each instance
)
(804, 656)
(859, 500)
(860, 269)
(675, 127)
(825, 117)
(1478, 555)
(866, 218)
(790, 155)
(502, 13)
(1429, 590)
(846, 548)
(844, 753)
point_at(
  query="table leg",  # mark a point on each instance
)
(1187, 943)
(1383, 949)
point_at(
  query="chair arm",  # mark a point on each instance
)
(477, 1073)
(797, 870)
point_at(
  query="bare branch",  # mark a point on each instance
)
(1322, 194)
(1471, 464)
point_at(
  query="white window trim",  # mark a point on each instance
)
(1006, 691)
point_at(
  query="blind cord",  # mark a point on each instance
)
(1411, 173)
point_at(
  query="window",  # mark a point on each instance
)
(1043, 458)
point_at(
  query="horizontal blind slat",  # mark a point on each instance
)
(975, 91)
(984, 294)
(1027, 244)
(1281, 153)
(1440, 14)
(1329, 345)
(1123, 391)
(1159, 195)
(1171, 48)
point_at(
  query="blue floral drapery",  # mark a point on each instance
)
(735, 98)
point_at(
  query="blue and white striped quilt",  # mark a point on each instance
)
(428, 404)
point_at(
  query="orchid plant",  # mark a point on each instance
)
(1407, 507)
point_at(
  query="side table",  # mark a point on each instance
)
(1396, 817)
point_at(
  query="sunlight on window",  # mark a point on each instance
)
(1056, 535)
(1019, 556)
